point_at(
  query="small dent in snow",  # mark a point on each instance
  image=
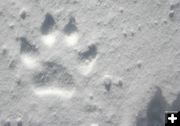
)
(71, 32)
(23, 13)
(107, 81)
(26, 46)
(88, 53)
(70, 27)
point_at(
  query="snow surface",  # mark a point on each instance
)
(89, 62)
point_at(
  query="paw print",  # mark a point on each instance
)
(50, 77)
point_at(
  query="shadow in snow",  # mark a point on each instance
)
(71, 26)
(47, 24)
(176, 104)
(155, 111)
(26, 46)
(89, 53)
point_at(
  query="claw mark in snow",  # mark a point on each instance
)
(48, 24)
(26, 46)
(89, 57)
(52, 91)
(88, 53)
(71, 32)
(71, 26)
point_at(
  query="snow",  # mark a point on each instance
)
(89, 62)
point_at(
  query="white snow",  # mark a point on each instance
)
(94, 124)
(87, 66)
(49, 40)
(112, 62)
(72, 39)
(30, 62)
(57, 92)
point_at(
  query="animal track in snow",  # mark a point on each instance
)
(71, 32)
(71, 26)
(88, 57)
(86, 67)
(28, 54)
(53, 80)
(26, 46)
(54, 91)
(22, 13)
(30, 61)
(89, 53)
(50, 39)
(48, 24)
(71, 39)
(48, 35)
(53, 72)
